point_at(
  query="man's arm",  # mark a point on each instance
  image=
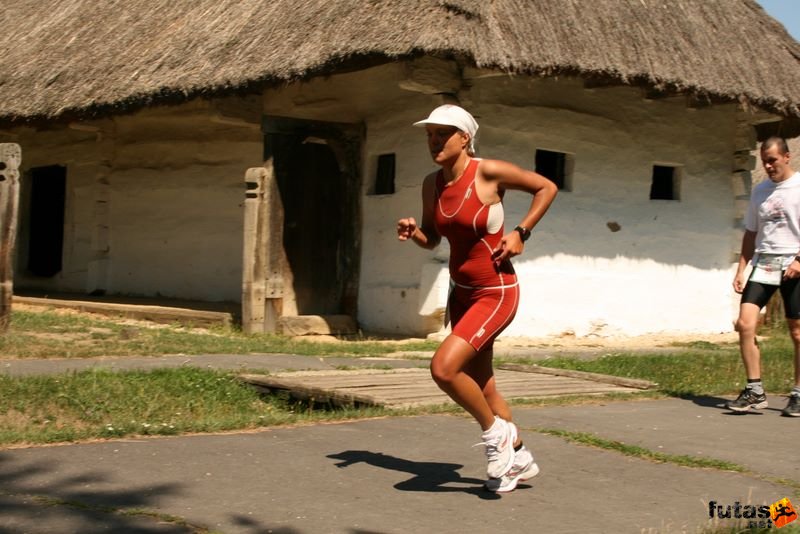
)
(748, 249)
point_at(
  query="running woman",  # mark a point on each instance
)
(463, 202)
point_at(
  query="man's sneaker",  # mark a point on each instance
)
(523, 468)
(499, 443)
(746, 400)
(793, 407)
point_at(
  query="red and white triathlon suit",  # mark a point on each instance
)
(483, 296)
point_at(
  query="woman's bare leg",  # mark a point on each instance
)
(480, 369)
(447, 369)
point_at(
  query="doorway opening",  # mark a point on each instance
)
(317, 169)
(48, 189)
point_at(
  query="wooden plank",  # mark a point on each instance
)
(389, 381)
(356, 385)
(402, 388)
(305, 392)
(353, 372)
(620, 381)
(157, 314)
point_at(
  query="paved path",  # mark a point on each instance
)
(409, 475)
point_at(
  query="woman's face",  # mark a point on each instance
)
(445, 142)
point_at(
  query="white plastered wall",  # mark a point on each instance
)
(667, 269)
(172, 180)
(82, 153)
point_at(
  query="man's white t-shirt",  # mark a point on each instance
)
(774, 214)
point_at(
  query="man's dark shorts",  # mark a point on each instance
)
(759, 294)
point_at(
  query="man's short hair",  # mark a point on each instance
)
(778, 141)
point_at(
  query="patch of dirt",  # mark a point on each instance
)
(621, 343)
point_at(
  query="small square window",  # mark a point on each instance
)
(384, 175)
(556, 166)
(665, 183)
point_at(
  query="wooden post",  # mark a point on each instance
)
(10, 159)
(262, 276)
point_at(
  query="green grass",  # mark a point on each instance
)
(95, 404)
(50, 334)
(691, 372)
(635, 451)
(107, 404)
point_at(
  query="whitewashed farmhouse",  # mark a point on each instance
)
(260, 152)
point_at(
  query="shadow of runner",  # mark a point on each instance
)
(33, 501)
(428, 476)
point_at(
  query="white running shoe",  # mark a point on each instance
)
(524, 468)
(499, 443)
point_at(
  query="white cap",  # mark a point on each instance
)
(450, 115)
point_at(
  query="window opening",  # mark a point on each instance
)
(384, 175)
(664, 185)
(556, 166)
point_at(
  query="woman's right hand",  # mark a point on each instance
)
(406, 228)
(738, 282)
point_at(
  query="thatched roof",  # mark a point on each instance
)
(67, 58)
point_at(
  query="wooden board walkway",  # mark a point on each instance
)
(405, 388)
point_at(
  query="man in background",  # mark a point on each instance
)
(772, 243)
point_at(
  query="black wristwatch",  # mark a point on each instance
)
(524, 233)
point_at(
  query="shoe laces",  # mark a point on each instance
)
(748, 393)
(491, 444)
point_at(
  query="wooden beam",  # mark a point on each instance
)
(602, 83)
(655, 93)
(238, 111)
(262, 275)
(430, 75)
(10, 159)
(156, 314)
(697, 101)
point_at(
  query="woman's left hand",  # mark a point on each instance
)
(510, 245)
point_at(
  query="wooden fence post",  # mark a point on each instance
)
(262, 276)
(10, 159)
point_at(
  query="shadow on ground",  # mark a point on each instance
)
(720, 404)
(427, 476)
(32, 497)
(33, 500)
